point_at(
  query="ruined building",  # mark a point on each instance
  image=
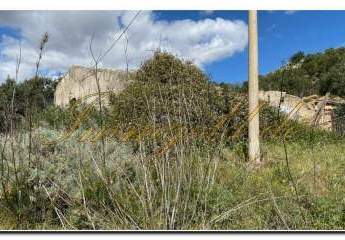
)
(313, 110)
(80, 83)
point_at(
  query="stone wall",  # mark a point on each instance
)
(80, 82)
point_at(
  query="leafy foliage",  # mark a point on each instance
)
(308, 74)
(32, 95)
(334, 80)
(166, 68)
(170, 94)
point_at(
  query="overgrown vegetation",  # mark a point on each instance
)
(190, 189)
(175, 95)
(175, 159)
(311, 74)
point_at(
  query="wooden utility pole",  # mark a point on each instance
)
(253, 89)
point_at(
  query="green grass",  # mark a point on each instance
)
(318, 204)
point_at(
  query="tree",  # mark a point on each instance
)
(334, 80)
(297, 57)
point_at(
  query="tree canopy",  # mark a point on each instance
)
(308, 74)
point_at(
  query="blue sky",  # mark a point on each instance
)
(281, 34)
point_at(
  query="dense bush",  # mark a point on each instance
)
(31, 97)
(166, 68)
(171, 96)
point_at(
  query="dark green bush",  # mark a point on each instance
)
(175, 96)
(166, 68)
(31, 97)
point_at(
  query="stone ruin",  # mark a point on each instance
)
(313, 110)
(80, 83)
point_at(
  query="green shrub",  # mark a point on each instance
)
(174, 96)
(166, 68)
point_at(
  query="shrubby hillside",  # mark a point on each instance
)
(308, 74)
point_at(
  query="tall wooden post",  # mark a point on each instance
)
(253, 89)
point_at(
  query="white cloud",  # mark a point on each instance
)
(202, 41)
